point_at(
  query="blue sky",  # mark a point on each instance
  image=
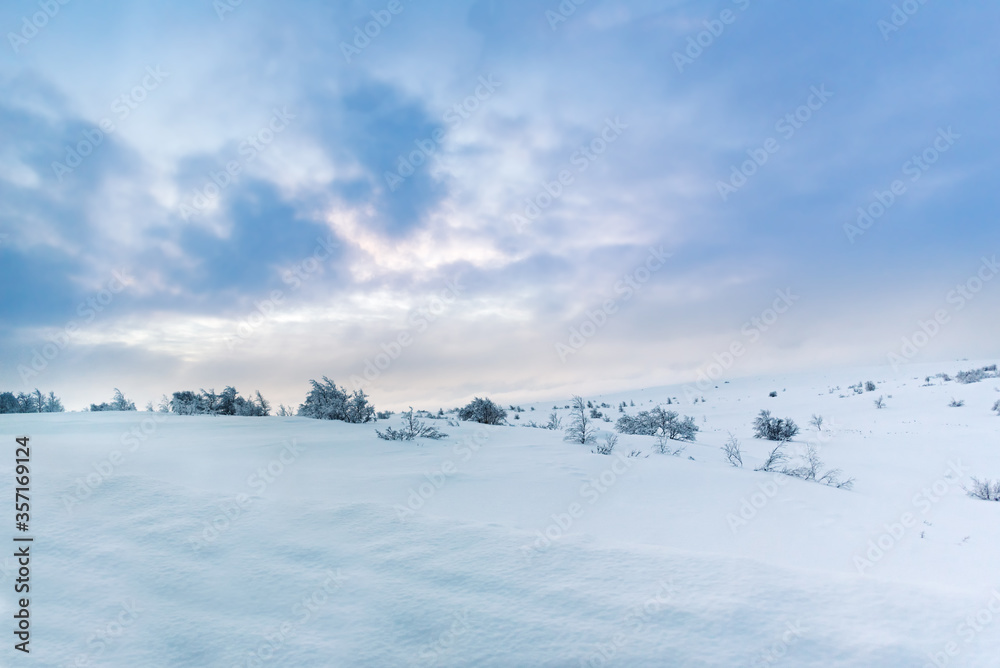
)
(283, 198)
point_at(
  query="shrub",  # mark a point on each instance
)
(648, 423)
(956, 403)
(554, 423)
(483, 411)
(412, 429)
(869, 386)
(774, 429)
(326, 401)
(817, 421)
(773, 393)
(976, 375)
(985, 489)
(774, 459)
(581, 428)
(996, 407)
(880, 402)
(732, 451)
(118, 403)
(610, 441)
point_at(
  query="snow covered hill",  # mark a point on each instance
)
(165, 540)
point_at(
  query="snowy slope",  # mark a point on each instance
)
(292, 542)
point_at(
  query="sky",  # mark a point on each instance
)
(432, 201)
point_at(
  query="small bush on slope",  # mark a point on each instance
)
(985, 489)
(774, 429)
(483, 411)
(412, 429)
(648, 423)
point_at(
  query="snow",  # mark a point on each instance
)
(354, 551)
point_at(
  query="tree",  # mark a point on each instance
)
(120, 403)
(483, 411)
(8, 403)
(581, 428)
(358, 409)
(325, 401)
(184, 403)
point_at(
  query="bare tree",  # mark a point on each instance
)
(581, 427)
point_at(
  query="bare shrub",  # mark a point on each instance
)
(732, 451)
(606, 448)
(987, 490)
(412, 429)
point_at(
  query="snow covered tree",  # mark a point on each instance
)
(358, 409)
(120, 403)
(581, 426)
(326, 401)
(483, 411)
(184, 403)
(9, 403)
